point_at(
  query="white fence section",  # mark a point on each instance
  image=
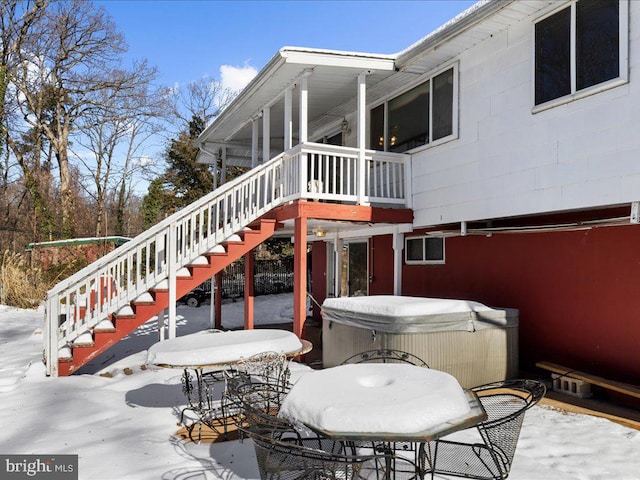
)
(318, 171)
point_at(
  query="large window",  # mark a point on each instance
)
(424, 250)
(417, 117)
(579, 47)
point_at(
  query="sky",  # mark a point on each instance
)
(123, 426)
(189, 39)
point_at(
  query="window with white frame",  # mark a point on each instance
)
(422, 115)
(580, 47)
(423, 250)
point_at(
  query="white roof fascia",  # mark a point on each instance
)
(333, 58)
(461, 22)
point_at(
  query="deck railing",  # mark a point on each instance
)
(309, 171)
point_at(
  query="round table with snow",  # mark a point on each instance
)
(216, 351)
(212, 348)
(399, 408)
(383, 401)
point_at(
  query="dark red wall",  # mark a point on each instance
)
(578, 292)
(381, 265)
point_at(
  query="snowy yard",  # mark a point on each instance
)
(122, 426)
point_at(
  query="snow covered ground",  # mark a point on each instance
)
(122, 426)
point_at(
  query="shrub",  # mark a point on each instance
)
(21, 285)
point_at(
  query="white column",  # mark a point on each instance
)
(304, 109)
(266, 134)
(254, 142)
(337, 265)
(161, 331)
(398, 244)
(223, 172)
(172, 254)
(288, 119)
(361, 136)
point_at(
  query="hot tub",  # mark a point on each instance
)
(474, 343)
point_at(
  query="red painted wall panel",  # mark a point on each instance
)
(578, 292)
(381, 265)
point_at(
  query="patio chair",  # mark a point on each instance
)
(312, 459)
(386, 355)
(203, 405)
(489, 455)
(266, 373)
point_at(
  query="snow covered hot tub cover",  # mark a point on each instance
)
(399, 314)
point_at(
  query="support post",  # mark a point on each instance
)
(299, 275)
(266, 134)
(361, 137)
(288, 123)
(249, 294)
(304, 109)
(172, 258)
(254, 142)
(223, 172)
(218, 278)
(161, 323)
(398, 245)
(337, 266)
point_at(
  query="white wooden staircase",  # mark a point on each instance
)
(95, 308)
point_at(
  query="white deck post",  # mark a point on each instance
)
(223, 170)
(302, 133)
(337, 266)
(266, 134)
(398, 244)
(304, 108)
(361, 139)
(161, 331)
(254, 142)
(288, 119)
(172, 254)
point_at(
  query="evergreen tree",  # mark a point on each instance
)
(185, 179)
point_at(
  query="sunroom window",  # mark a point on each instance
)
(416, 117)
(579, 47)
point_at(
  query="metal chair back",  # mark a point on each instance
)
(506, 404)
(386, 355)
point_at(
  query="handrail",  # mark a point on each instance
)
(309, 170)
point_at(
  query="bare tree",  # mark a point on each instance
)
(18, 21)
(114, 135)
(204, 99)
(75, 54)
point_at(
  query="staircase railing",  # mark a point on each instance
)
(82, 301)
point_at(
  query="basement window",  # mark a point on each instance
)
(424, 251)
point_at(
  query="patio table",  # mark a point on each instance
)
(384, 404)
(217, 350)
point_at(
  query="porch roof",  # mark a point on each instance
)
(333, 79)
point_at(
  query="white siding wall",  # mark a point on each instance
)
(508, 161)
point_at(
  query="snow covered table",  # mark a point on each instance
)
(382, 403)
(217, 351)
(212, 348)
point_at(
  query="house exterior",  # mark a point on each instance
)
(494, 160)
(518, 122)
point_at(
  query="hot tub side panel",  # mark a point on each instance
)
(340, 341)
(474, 358)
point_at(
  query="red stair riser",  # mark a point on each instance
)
(146, 310)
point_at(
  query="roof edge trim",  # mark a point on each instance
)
(472, 15)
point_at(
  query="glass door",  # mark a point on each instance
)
(355, 278)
